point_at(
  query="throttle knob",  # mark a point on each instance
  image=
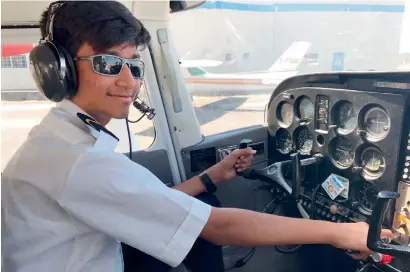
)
(334, 209)
(245, 143)
(242, 145)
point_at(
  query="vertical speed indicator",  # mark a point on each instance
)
(304, 140)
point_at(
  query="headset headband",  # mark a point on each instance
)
(52, 10)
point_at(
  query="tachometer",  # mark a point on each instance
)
(284, 141)
(304, 140)
(367, 196)
(342, 151)
(376, 123)
(344, 117)
(285, 114)
(373, 162)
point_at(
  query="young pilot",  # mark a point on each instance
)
(69, 200)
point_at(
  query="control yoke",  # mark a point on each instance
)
(374, 241)
(296, 173)
(273, 174)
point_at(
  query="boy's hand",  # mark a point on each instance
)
(354, 236)
(237, 160)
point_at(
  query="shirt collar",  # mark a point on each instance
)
(73, 124)
(71, 110)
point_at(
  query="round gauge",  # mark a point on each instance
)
(305, 110)
(304, 140)
(376, 123)
(285, 113)
(344, 117)
(373, 162)
(284, 141)
(342, 151)
(367, 196)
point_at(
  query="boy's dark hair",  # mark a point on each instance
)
(102, 24)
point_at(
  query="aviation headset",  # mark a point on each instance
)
(51, 65)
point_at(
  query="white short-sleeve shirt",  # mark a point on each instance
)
(68, 199)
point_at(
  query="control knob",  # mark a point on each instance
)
(334, 209)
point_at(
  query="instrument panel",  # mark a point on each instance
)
(357, 132)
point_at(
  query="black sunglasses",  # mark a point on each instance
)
(109, 65)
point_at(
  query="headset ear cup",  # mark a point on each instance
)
(45, 67)
(71, 72)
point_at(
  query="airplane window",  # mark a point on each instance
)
(246, 49)
(245, 56)
(228, 57)
(6, 62)
(23, 107)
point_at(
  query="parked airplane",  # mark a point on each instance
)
(200, 81)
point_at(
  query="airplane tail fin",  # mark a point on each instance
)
(291, 58)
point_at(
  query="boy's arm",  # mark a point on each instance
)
(228, 226)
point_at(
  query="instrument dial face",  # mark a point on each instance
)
(342, 151)
(376, 123)
(373, 160)
(306, 110)
(304, 140)
(367, 195)
(284, 141)
(345, 117)
(285, 115)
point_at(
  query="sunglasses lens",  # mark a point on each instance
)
(107, 65)
(137, 68)
(111, 65)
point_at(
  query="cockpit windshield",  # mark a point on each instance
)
(237, 36)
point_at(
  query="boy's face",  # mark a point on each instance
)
(106, 97)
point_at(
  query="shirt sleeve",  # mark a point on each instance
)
(121, 198)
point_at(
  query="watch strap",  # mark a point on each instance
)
(207, 182)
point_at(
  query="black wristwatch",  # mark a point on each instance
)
(206, 180)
